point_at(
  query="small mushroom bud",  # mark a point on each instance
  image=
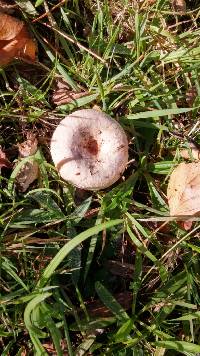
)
(89, 149)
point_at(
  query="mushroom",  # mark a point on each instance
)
(89, 149)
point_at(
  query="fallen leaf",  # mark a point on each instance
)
(179, 6)
(28, 147)
(30, 170)
(183, 190)
(64, 95)
(15, 41)
(4, 162)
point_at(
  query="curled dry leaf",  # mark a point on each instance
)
(183, 190)
(15, 41)
(28, 147)
(63, 94)
(30, 170)
(4, 162)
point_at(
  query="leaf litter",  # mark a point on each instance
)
(30, 170)
(63, 94)
(4, 162)
(25, 152)
(15, 40)
(183, 191)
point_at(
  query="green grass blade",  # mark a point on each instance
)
(111, 303)
(78, 103)
(137, 280)
(157, 113)
(38, 3)
(92, 247)
(55, 332)
(188, 317)
(123, 333)
(29, 308)
(7, 266)
(146, 252)
(141, 247)
(34, 332)
(65, 250)
(180, 346)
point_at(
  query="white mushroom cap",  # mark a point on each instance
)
(89, 149)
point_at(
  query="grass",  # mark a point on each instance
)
(102, 273)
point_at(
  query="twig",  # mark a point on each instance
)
(179, 241)
(78, 44)
(170, 218)
(49, 12)
(171, 249)
(52, 22)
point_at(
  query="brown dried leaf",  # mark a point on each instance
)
(64, 95)
(60, 98)
(28, 147)
(179, 6)
(10, 27)
(183, 190)
(15, 41)
(30, 170)
(27, 175)
(4, 162)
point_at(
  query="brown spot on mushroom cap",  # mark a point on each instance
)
(93, 144)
